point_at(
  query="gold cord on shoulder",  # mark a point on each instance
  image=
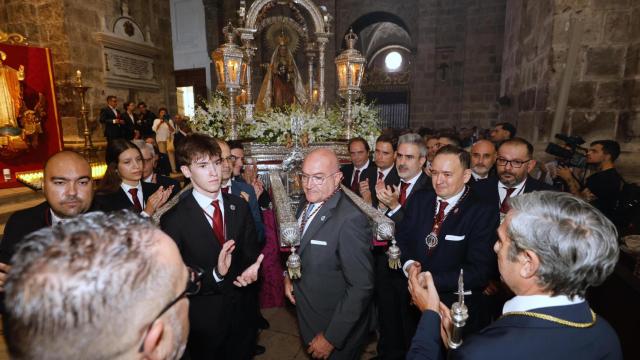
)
(554, 319)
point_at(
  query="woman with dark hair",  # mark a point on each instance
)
(122, 188)
(164, 128)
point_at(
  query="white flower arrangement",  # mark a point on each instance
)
(274, 126)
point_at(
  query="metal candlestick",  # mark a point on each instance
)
(88, 151)
(459, 314)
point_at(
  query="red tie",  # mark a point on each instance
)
(355, 184)
(380, 175)
(134, 198)
(402, 199)
(225, 190)
(504, 207)
(440, 215)
(218, 223)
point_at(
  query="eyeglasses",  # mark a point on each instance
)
(194, 281)
(514, 163)
(315, 179)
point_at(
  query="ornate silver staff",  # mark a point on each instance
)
(459, 314)
(383, 227)
(289, 228)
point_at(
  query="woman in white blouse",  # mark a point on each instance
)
(164, 128)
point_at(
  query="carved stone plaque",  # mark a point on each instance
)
(120, 63)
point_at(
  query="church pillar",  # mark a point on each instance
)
(322, 43)
(310, 52)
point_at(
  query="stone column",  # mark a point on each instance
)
(311, 54)
(322, 43)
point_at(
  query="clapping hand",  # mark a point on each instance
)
(250, 274)
(388, 195)
(224, 258)
(157, 199)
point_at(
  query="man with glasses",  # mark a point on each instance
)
(99, 286)
(513, 164)
(333, 296)
(215, 232)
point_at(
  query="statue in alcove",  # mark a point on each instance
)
(282, 85)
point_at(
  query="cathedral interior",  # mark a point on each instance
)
(546, 66)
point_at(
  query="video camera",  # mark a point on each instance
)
(576, 156)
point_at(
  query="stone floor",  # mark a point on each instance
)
(282, 341)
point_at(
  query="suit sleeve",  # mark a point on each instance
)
(249, 245)
(480, 260)
(255, 213)
(426, 343)
(357, 266)
(12, 235)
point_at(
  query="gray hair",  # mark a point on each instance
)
(576, 244)
(85, 287)
(141, 144)
(415, 139)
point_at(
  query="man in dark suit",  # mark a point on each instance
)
(514, 161)
(448, 230)
(215, 232)
(549, 271)
(115, 127)
(148, 175)
(68, 192)
(410, 159)
(333, 296)
(145, 119)
(385, 170)
(361, 171)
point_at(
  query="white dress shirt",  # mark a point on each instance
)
(502, 190)
(204, 202)
(353, 175)
(384, 172)
(530, 302)
(478, 177)
(140, 196)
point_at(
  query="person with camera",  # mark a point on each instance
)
(602, 187)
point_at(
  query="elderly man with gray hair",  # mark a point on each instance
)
(551, 248)
(149, 175)
(98, 287)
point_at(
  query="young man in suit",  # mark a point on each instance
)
(150, 159)
(513, 164)
(448, 230)
(361, 171)
(551, 248)
(333, 296)
(215, 232)
(68, 191)
(384, 159)
(115, 127)
(101, 286)
(410, 159)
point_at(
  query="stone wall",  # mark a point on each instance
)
(68, 27)
(604, 97)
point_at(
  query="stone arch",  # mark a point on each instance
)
(376, 17)
(312, 9)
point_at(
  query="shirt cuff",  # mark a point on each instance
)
(395, 210)
(216, 277)
(144, 214)
(115, 121)
(406, 266)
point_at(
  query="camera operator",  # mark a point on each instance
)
(603, 186)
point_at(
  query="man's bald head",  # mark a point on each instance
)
(321, 175)
(67, 184)
(483, 157)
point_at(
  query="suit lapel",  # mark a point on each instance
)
(319, 219)
(123, 199)
(197, 219)
(229, 214)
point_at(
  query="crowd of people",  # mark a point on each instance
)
(87, 275)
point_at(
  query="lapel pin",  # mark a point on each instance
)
(232, 207)
(455, 211)
(322, 218)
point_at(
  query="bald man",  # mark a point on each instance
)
(483, 157)
(333, 296)
(68, 190)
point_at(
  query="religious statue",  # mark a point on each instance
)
(282, 85)
(19, 126)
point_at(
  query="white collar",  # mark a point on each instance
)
(204, 201)
(227, 184)
(386, 171)
(413, 179)
(478, 177)
(149, 178)
(452, 201)
(366, 165)
(54, 218)
(127, 187)
(530, 302)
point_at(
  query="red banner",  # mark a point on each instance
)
(38, 69)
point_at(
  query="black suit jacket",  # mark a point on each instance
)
(127, 130)
(423, 183)
(487, 189)
(20, 224)
(211, 310)
(465, 241)
(118, 200)
(111, 130)
(523, 337)
(369, 174)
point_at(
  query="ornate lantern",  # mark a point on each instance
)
(350, 69)
(228, 60)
